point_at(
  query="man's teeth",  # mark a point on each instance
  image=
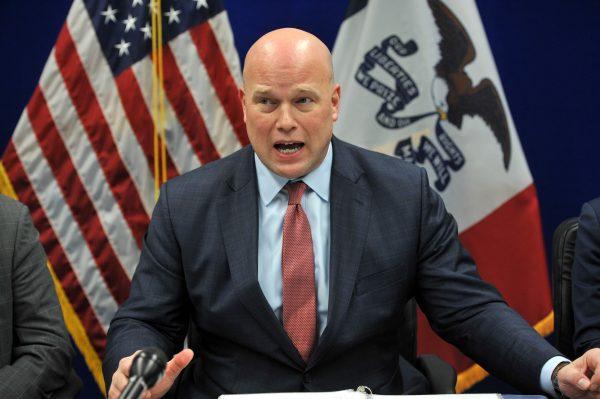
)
(289, 148)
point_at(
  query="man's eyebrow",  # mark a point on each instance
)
(307, 90)
(260, 91)
(302, 90)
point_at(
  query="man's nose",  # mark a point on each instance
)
(286, 121)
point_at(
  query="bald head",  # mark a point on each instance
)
(285, 48)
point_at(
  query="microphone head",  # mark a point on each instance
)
(149, 364)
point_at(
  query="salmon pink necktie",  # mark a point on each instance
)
(298, 270)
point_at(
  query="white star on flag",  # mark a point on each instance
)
(201, 3)
(147, 31)
(137, 2)
(123, 47)
(109, 14)
(173, 15)
(129, 23)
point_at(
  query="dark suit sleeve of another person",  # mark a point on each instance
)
(468, 312)
(586, 279)
(35, 351)
(156, 312)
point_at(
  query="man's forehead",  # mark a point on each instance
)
(304, 75)
(281, 68)
(301, 57)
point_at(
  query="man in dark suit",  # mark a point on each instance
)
(219, 252)
(35, 351)
(586, 279)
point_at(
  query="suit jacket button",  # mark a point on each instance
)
(306, 379)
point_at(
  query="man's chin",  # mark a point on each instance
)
(291, 171)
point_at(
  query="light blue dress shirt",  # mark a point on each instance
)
(315, 202)
(271, 211)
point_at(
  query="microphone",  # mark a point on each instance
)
(147, 368)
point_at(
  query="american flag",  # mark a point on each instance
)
(81, 156)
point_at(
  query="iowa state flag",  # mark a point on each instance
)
(419, 82)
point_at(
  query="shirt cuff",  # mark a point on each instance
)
(546, 374)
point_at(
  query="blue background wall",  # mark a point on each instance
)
(547, 53)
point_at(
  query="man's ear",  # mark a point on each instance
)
(242, 96)
(335, 101)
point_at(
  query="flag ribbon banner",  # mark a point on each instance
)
(82, 155)
(420, 83)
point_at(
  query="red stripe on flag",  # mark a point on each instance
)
(92, 118)
(209, 51)
(188, 114)
(140, 118)
(76, 196)
(54, 251)
(508, 248)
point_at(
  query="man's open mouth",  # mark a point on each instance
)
(288, 148)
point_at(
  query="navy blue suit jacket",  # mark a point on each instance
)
(586, 279)
(391, 240)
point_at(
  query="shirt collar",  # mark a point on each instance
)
(270, 183)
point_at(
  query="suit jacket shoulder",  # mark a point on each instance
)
(352, 161)
(595, 205)
(209, 179)
(10, 213)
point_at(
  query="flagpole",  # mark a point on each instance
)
(158, 103)
(161, 101)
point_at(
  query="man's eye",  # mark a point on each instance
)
(265, 101)
(304, 100)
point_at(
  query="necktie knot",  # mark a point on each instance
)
(295, 191)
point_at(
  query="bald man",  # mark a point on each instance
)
(292, 260)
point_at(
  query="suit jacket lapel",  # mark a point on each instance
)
(349, 217)
(238, 213)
